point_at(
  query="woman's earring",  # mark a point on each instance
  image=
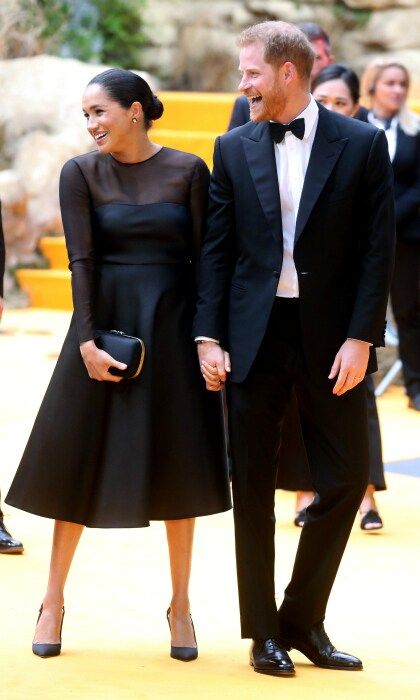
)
(134, 120)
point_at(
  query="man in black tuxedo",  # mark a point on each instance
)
(8, 545)
(294, 278)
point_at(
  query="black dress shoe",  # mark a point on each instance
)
(268, 656)
(316, 646)
(47, 650)
(183, 653)
(414, 402)
(7, 544)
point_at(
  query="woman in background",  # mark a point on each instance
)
(336, 87)
(385, 85)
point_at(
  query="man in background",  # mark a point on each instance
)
(7, 544)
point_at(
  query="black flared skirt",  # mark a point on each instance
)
(119, 455)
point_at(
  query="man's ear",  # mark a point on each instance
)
(288, 71)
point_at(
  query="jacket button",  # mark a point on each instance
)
(304, 273)
(276, 273)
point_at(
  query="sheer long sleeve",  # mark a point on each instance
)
(76, 211)
(2, 255)
(198, 205)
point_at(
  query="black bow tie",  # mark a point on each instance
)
(297, 127)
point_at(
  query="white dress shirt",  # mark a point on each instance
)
(390, 133)
(292, 158)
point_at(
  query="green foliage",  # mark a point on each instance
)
(56, 13)
(351, 18)
(104, 31)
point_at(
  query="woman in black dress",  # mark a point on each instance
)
(111, 453)
(385, 85)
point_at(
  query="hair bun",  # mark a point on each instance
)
(155, 109)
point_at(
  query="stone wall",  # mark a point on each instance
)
(191, 43)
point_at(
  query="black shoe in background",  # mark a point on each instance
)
(414, 402)
(7, 544)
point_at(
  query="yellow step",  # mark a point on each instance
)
(54, 249)
(201, 143)
(196, 111)
(47, 289)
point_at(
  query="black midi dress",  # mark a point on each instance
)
(109, 454)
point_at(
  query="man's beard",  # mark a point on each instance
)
(269, 108)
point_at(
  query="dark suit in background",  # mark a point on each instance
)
(2, 265)
(405, 288)
(2, 255)
(343, 256)
(7, 544)
(240, 113)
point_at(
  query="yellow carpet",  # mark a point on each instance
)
(115, 641)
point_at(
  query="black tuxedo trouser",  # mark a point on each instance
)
(405, 298)
(335, 433)
(293, 468)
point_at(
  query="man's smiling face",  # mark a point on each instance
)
(261, 84)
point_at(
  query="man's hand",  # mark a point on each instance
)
(1, 307)
(214, 364)
(350, 364)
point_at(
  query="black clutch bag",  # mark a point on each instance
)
(123, 348)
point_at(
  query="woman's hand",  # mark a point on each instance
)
(98, 362)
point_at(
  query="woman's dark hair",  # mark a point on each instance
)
(126, 87)
(338, 71)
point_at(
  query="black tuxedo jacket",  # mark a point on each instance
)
(406, 167)
(2, 256)
(343, 246)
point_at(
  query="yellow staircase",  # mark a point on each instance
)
(191, 121)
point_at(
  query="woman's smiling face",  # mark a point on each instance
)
(109, 124)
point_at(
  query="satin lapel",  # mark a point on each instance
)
(326, 150)
(259, 153)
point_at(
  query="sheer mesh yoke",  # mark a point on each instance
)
(102, 203)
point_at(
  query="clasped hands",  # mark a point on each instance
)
(214, 364)
(349, 365)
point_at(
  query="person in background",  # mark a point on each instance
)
(337, 88)
(8, 545)
(385, 84)
(321, 44)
